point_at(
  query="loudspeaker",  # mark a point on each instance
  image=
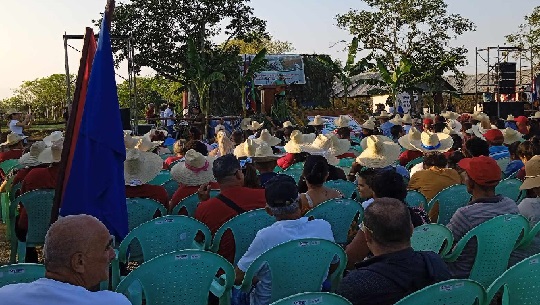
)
(514, 108)
(507, 77)
(125, 117)
(143, 128)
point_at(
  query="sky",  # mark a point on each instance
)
(31, 44)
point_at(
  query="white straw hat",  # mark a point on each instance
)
(407, 119)
(244, 125)
(369, 124)
(511, 136)
(141, 167)
(380, 152)
(264, 153)
(510, 118)
(266, 137)
(129, 141)
(153, 132)
(396, 120)
(255, 126)
(196, 170)
(218, 128)
(328, 143)
(536, 116)
(433, 142)
(30, 158)
(12, 139)
(287, 124)
(246, 149)
(144, 144)
(298, 141)
(53, 153)
(413, 135)
(384, 114)
(342, 121)
(317, 121)
(450, 115)
(455, 126)
(477, 130)
(53, 137)
(532, 170)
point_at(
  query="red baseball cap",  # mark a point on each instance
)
(494, 136)
(483, 170)
(521, 119)
(428, 122)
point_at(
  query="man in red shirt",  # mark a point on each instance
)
(410, 152)
(15, 146)
(233, 200)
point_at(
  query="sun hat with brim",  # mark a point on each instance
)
(129, 141)
(53, 137)
(369, 124)
(455, 126)
(12, 111)
(30, 158)
(152, 132)
(450, 115)
(532, 171)
(328, 143)
(330, 158)
(342, 121)
(244, 125)
(266, 137)
(264, 153)
(380, 152)
(407, 119)
(297, 142)
(255, 126)
(536, 116)
(477, 130)
(482, 170)
(52, 154)
(510, 118)
(13, 139)
(195, 170)
(246, 149)
(433, 142)
(317, 121)
(287, 124)
(218, 128)
(405, 141)
(144, 144)
(141, 167)
(384, 114)
(396, 120)
(512, 136)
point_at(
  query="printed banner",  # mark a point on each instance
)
(289, 65)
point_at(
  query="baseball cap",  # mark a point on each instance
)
(427, 121)
(521, 119)
(281, 191)
(482, 170)
(532, 171)
(494, 136)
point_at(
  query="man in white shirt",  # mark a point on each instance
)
(282, 202)
(77, 253)
(169, 113)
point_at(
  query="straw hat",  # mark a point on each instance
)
(255, 126)
(511, 136)
(450, 115)
(369, 124)
(317, 121)
(30, 158)
(152, 132)
(431, 142)
(298, 141)
(455, 126)
(329, 143)
(12, 139)
(53, 153)
(53, 137)
(396, 120)
(287, 124)
(383, 115)
(536, 116)
(141, 167)
(144, 144)
(218, 128)
(407, 119)
(380, 152)
(510, 118)
(532, 170)
(450, 132)
(244, 125)
(196, 170)
(266, 137)
(264, 153)
(129, 141)
(246, 149)
(342, 121)
(12, 111)
(477, 130)
(413, 135)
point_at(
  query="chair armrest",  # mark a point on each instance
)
(115, 274)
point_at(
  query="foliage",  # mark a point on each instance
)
(528, 36)
(256, 65)
(256, 45)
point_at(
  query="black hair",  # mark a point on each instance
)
(388, 183)
(287, 131)
(300, 157)
(195, 133)
(198, 146)
(280, 134)
(237, 137)
(367, 174)
(436, 159)
(251, 179)
(454, 159)
(466, 126)
(476, 147)
(395, 131)
(439, 127)
(315, 170)
(529, 149)
(344, 133)
(458, 142)
(309, 129)
(389, 222)
(513, 148)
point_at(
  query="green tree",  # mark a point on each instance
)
(528, 36)
(256, 45)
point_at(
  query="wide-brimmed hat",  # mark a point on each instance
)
(380, 151)
(317, 121)
(450, 115)
(480, 116)
(532, 170)
(264, 153)
(450, 132)
(383, 114)
(266, 137)
(141, 167)
(246, 149)
(396, 120)
(407, 119)
(255, 125)
(55, 136)
(144, 144)
(244, 125)
(153, 132)
(298, 141)
(287, 124)
(455, 126)
(536, 116)
(12, 111)
(342, 121)
(369, 124)
(195, 170)
(510, 118)
(477, 130)
(511, 136)
(433, 142)
(30, 158)
(129, 141)
(12, 139)
(413, 135)
(53, 153)
(329, 143)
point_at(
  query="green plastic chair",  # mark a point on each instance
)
(519, 283)
(451, 292)
(141, 210)
(413, 162)
(294, 172)
(38, 205)
(278, 169)
(346, 162)
(183, 277)
(510, 188)
(340, 213)
(503, 163)
(298, 266)
(161, 178)
(529, 237)
(244, 227)
(346, 188)
(432, 237)
(190, 203)
(450, 199)
(496, 239)
(5, 200)
(8, 165)
(513, 175)
(20, 273)
(415, 199)
(170, 186)
(323, 298)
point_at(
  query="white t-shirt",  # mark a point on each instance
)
(278, 233)
(416, 168)
(14, 128)
(167, 114)
(50, 292)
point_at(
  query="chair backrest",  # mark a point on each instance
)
(415, 199)
(165, 156)
(346, 188)
(278, 169)
(141, 210)
(323, 298)
(161, 178)
(190, 203)
(183, 277)
(346, 162)
(340, 213)
(175, 162)
(8, 165)
(432, 237)
(164, 235)
(496, 239)
(503, 163)
(294, 172)
(13, 191)
(509, 188)
(413, 162)
(450, 199)
(298, 266)
(513, 175)
(170, 186)
(244, 227)
(519, 283)
(38, 205)
(451, 292)
(20, 273)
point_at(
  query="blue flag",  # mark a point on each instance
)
(94, 174)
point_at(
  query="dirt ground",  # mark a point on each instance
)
(4, 246)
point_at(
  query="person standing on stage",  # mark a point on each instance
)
(280, 97)
(169, 115)
(15, 124)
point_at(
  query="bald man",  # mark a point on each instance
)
(77, 253)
